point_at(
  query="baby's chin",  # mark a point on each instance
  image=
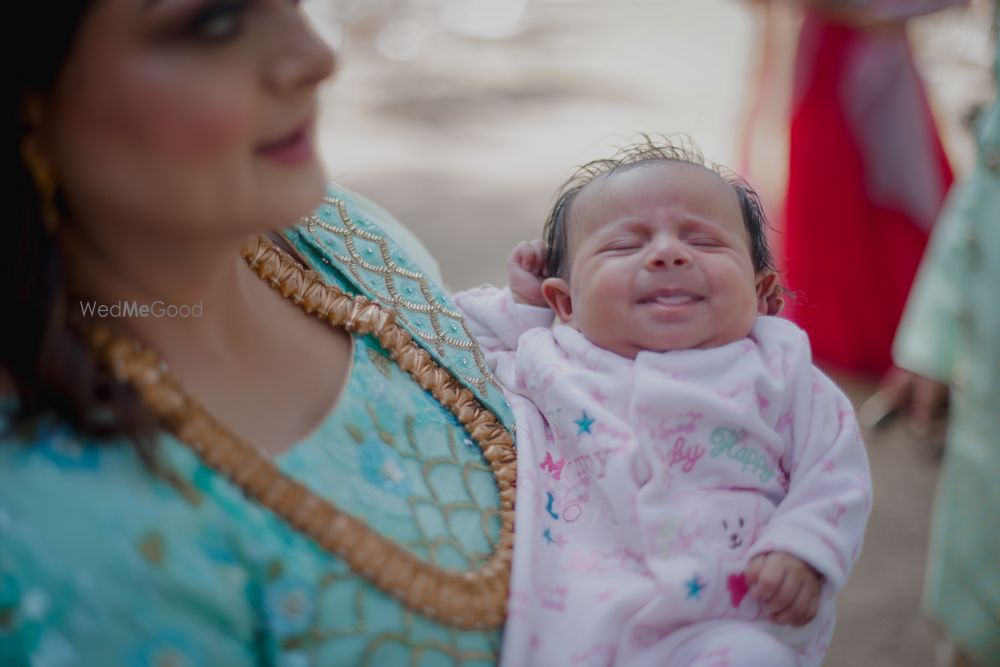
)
(629, 347)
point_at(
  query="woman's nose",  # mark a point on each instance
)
(667, 253)
(302, 59)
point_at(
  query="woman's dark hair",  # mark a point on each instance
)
(42, 354)
(651, 150)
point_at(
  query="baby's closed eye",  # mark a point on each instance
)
(623, 245)
(706, 242)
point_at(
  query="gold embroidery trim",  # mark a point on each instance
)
(399, 303)
(475, 599)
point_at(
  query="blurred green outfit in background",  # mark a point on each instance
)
(951, 333)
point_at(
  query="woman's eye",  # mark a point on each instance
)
(218, 21)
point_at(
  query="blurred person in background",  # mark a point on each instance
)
(228, 439)
(867, 176)
(949, 343)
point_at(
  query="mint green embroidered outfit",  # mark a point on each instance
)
(951, 332)
(102, 563)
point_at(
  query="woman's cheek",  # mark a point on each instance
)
(164, 141)
(186, 115)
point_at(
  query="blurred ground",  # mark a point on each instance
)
(466, 140)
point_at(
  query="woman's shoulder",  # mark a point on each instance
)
(52, 477)
(60, 488)
(392, 227)
(51, 452)
(350, 245)
(363, 226)
(91, 536)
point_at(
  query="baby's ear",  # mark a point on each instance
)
(769, 301)
(557, 295)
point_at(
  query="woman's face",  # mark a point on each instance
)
(188, 117)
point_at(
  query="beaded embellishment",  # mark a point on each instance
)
(475, 599)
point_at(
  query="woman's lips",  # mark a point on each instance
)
(293, 149)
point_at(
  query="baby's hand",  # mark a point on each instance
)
(787, 587)
(526, 272)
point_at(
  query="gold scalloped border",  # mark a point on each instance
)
(475, 599)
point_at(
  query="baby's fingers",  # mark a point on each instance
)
(797, 612)
(530, 256)
(754, 567)
(811, 610)
(522, 253)
(784, 598)
(770, 582)
(537, 258)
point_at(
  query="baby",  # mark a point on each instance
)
(691, 489)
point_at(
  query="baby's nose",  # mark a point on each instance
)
(667, 253)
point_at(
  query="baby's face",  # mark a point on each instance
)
(659, 260)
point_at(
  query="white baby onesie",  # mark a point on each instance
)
(645, 486)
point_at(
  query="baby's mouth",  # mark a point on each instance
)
(672, 298)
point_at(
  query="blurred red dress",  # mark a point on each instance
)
(867, 178)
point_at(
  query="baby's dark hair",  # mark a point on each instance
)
(650, 150)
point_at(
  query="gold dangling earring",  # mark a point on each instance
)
(45, 183)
